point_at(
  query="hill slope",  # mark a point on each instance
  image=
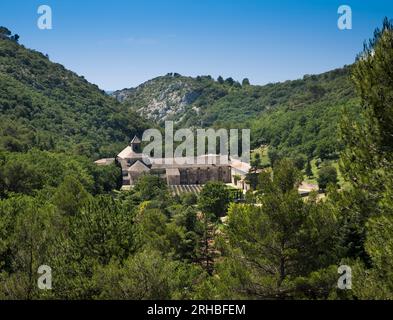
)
(44, 105)
(292, 116)
(173, 97)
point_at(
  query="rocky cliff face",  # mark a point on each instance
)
(162, 98)
(288, 114)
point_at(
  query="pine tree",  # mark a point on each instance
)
(367, 163)
(309, 169)
(245, 82)
(271, 245)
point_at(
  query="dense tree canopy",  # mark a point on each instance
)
(58, 208)
(44, 105)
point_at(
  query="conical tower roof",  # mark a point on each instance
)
(135, 140)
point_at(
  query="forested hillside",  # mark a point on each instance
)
(298, 116)
(306, 122)
(43, 105)
(60, 210)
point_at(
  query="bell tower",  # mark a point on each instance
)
(135, 145)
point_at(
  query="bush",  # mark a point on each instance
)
(327, 175)
(214, 199)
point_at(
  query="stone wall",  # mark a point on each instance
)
(173, 177)
(202, 175)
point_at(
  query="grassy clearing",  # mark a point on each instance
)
(263, 151)
(314, 177)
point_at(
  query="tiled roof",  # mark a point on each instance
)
(135, 140)
(128, 153)
(139, 166)
(104, 162)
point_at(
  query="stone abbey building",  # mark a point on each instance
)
(178, 171)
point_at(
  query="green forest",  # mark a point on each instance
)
(47, 107)
(296, 118)
(58, 208)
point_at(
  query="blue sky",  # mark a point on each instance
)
(122, 43)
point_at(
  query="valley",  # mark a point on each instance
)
(315, 197)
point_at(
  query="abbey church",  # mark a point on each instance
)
(178, 171)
